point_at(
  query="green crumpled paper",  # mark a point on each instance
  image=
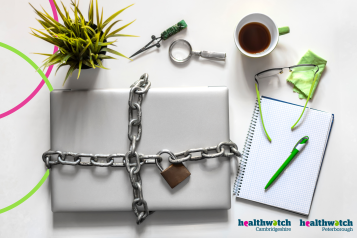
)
(303, 80)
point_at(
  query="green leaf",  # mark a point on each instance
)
(48, 60)
(90, 28)
(76, 6)
(108, 29)
(106, 43)
(121, 35)
(90, 58)
(48, 16)
(121, 28)
(100, 64)
(49, 40)
(69, 72)
(42, 54)
(96, 46)
(67, 14)
(64, 60)
(58, 67)
(114, 52)
(90, 13)
(86, 62)
(76, 21)
(114, 15)
(101, 56)
(44, 34)
(97, 14)
(64, 18)
(54, 60)
(101, 20)
(79, 68)
(84, 49)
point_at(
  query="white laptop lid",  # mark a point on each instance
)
(96, 121)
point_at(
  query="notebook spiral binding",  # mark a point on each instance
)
(246, 150)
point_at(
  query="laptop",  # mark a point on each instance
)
(177, 119)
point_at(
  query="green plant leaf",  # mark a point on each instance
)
(49, 59)
(54, 60)
(96, 46)
(67, 14)
(42, 33)
(42, 54)
(114, 52)
(64, 60)
(90, 13)
(100, 65)
(97, 14)
(79, 68)
(44, 18)
(58, 67)
(121, 28)
(64, 18)
(90, 58)
(101, 20)
(49, 17)
(106, 43)
(108, 29)
(101, 56)
(49, 40)
(114, 15)
(90, 29)
(76, 21)
(86, 62)
(69, 72)
(76, 6)
(84, 49)
(115, 35)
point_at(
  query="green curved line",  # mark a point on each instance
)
(22, 55)
(307, 100)
(27, 195)
(260, 111)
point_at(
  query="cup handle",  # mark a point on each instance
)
(283, 30)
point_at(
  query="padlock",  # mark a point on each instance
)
(175, 173)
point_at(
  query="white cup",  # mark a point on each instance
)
(269, 23)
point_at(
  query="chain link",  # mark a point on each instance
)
(132, 160)
(137, 91)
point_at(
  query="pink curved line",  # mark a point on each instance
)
(37, 89)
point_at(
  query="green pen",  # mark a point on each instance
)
(298, 147)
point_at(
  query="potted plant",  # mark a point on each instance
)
(82, 44)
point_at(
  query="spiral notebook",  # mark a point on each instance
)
(294, 189)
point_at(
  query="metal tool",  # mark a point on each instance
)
(164, 36)
(184, 57)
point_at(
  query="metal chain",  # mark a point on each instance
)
(138, 89)
(132, 160)
(108, 160)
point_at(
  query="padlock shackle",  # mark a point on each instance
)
(165, 151)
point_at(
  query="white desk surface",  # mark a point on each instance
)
(325, 27)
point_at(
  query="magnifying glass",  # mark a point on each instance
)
(181, 51)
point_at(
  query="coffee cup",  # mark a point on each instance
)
(256, 35)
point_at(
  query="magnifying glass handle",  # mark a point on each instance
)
(210, 54)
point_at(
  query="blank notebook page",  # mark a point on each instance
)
(295, 187)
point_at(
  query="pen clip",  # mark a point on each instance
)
(305, 137)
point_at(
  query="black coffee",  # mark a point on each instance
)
(254, 37)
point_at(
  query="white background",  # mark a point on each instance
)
(328, 28)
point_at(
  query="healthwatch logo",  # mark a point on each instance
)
(334, 225)
(262, 225)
